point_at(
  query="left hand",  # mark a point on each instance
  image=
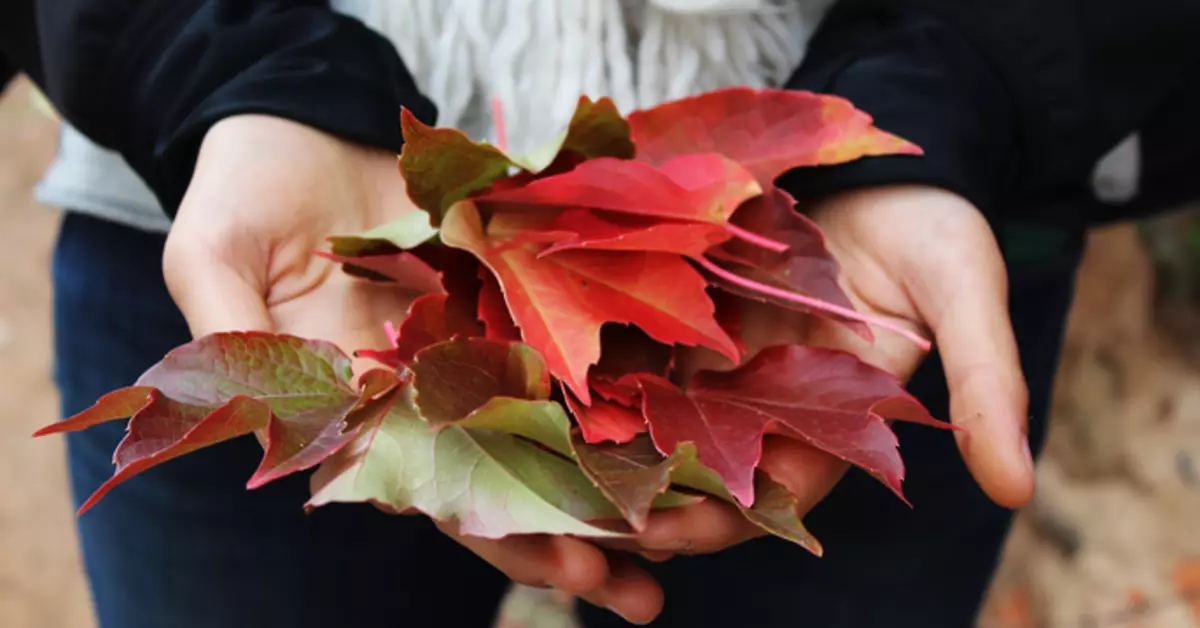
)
(923, 258)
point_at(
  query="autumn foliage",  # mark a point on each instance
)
(533, 386)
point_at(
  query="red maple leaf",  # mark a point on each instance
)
(767, 131)
(561, 301)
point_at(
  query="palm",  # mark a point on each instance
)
(252, 219)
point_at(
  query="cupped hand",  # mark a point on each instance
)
(925, 259)
(266, 192)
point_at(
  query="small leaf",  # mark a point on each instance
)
(404, 269)
(453, 379)
(829, 399)
(402, 234)
(294, 393)
(807, 266)
(561, 301)
(775, 509)
(432, 318)
(605, 421)
(597, 129)
(698, 188)
(442, 165)
(768, 131)
(493, 483)
(631, 475)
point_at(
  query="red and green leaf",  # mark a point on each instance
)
(295, 394)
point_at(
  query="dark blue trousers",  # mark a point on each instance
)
(185, 545)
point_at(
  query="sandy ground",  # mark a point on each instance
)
(40, 583)
(1109, 541)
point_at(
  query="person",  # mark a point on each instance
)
(262, 126)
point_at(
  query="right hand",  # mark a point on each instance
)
(265, 193)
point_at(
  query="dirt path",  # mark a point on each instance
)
(40, 584)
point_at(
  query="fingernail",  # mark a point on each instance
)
(1028, 453)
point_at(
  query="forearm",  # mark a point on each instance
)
(149, 78)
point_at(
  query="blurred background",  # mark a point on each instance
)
(1112, 538)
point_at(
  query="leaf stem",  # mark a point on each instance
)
(755, 239)
(809, 302)
(498, 124)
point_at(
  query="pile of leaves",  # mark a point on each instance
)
(533, 385)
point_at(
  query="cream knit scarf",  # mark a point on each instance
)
(536, 56)
(539, 56)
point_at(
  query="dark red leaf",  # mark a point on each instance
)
(806, 266)
(768, 131)
(830, 399)
(630, 475)
(405, 269)
(453, 379)
(429, 321)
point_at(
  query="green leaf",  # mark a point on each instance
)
(597, 129)
(454, 378)
(442, 165)
(775, 508)
(402, 234)
(491, 482)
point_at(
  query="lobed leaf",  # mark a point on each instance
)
(807, 266)
(830, 399)
(560, 302)
(294, 393)
(768, 131)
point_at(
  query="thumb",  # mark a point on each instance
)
(211, 294)
(968, 312)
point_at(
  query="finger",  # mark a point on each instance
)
(807, 472)
(629, 592)
(565, 563)
(968, 312)
(212, 296)
(701, 528)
